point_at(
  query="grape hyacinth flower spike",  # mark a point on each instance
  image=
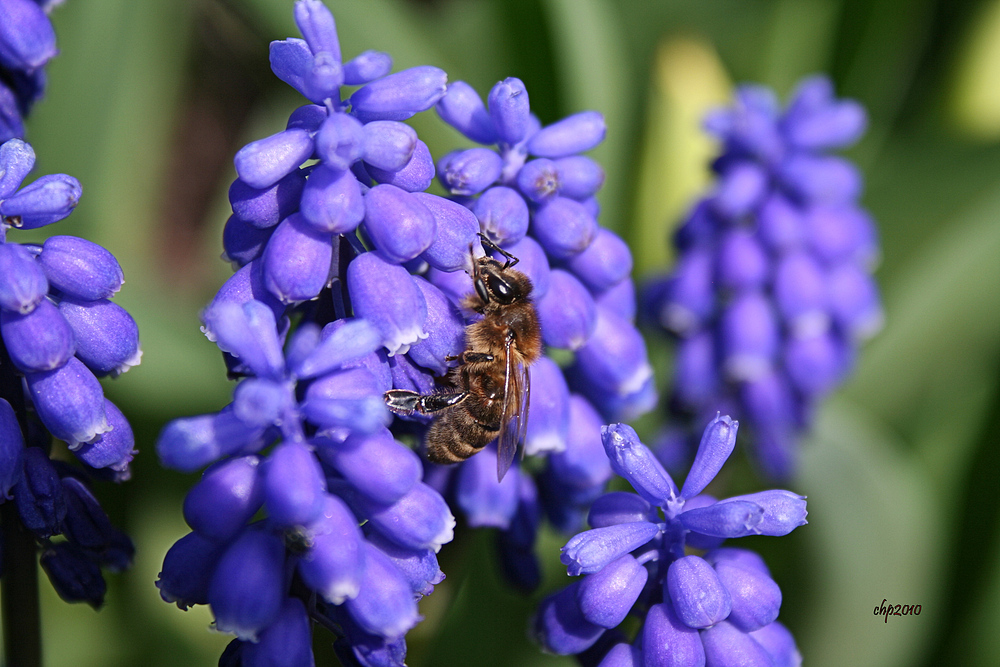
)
(772, 292)
(27, 43)
(694, 610)
(59, 332)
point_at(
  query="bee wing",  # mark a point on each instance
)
(513, 421)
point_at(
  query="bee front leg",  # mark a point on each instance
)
(468, 357)
(407, 402)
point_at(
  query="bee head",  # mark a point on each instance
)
(496, 284)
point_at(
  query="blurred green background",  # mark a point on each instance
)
(149, 100)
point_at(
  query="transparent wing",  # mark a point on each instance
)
(513, 421)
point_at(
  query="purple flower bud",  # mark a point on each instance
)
(49, 199)
(27, 40)
(333, 566)
(779, 644)
(386, 295)
(419, 520)
(11, 124)
(732, 518)
(113, 449)
(667, 642)
(618, 299)
(343, 342)
(266, 207)
(485, 502)
(800, 291)
(420, 567)
(331, 202)
(815, 364)
(606, 597)
(39, 495)
(469, 172)
(725, 643)
(262, 163)
(695, 369)
(462, 108)
(632, 460)
(816, 121)
(690, 293)
(11, 449)
(593, 549)
(854, 301)
(750, 337)
(398, 467)
(243, 286)
(297, 260)
(502, 214)
(567, 312)
(308, 117)
(80, 268)
(367, 649)
(579, 177)
(107, 338)
(573, 134)
(583, 463)
(193, 442)
(456, 230)
(564, 227)
(549, 409)
(839, 233)
(780, 224)
(756, 598)
(742, 558)
(717, 443)
(445, 328)
(23, 285)
(316, 24)
(539, 180)
(73, 574)
(388, 145)
(249, 332)
(784, 511)
(247, 589)
(285, 643)
(398, 223)
(614, 359)
(622, 655)
(187, 570)
(294, 485)
(41, 340)
(366, 67)
(292, 62)
(70, 402)
(227, 496)
(606, 262)
(510, 110)
(741, 263)
(87, 526)
(740, 189)
(385, 605)
(561, 627)
(400, 95)
(416, 176)
(620, 507)
(349, 398)
(696, 593)
(823, 179)
(16, 160)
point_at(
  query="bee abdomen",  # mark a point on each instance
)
(455, 437)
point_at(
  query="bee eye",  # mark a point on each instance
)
(481, 290)
(501, 289)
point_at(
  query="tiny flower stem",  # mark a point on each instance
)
(19, 584)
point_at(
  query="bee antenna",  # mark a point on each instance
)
(490, 245)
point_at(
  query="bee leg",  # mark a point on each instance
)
(475, 357)
(490, 245)
(407, 402)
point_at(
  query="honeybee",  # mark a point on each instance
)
(490, 387)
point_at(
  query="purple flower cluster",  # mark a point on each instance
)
(60, 332)
(773, 289)
(716, 609)
(335, 466)
(27, 42)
